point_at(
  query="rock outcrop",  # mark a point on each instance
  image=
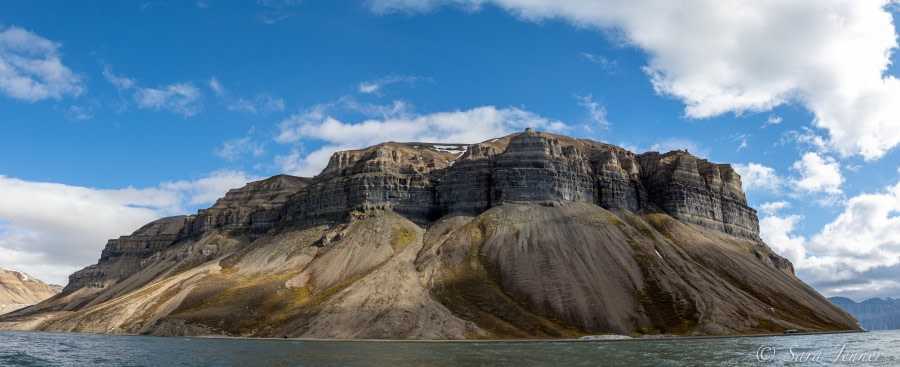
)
(527, 235)
(18, 290)
(255, 207)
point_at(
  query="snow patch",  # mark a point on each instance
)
(657, 254)
(21, 274)
(454, 149)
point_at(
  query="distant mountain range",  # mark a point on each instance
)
(873, 313)
(18, 290)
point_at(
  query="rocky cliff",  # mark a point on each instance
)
(873, 313)
(18, 290)
(527, 235)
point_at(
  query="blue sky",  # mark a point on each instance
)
(143, 109)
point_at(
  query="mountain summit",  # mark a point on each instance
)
(528, 235)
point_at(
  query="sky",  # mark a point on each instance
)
(120, 112)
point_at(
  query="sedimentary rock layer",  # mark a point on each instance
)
(424, 183)
(528, 235)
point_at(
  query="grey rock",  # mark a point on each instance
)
(423, 183)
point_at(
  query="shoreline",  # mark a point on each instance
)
(501, 341)
(496, 341)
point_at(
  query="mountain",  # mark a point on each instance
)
(528, 235)
(873, 313)
(18, 290)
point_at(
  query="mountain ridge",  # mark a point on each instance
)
(873, 313)
(18, 290)
(527, 235)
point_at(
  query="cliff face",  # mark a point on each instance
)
(424, 183)
(873, 313)
(528, 235)
(18, 290)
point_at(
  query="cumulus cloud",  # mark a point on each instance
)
(755, 176)
(43, 229)
(774, 207)
(777, 231)
(857, 255)
(31, 68)
(181, 98)
(396, 122)
(749, 56)
(818, 174)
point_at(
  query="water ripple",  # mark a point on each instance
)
(56, 349)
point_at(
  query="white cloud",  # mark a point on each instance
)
(596, 112)
(308, 165)
(776, 231)
(743, 139)
(181, 98)
(774, 207)
(118, 81)
(773, 120)
(262, 103)
(44, 229)
(720, 56)
(805, 138)
(854, 255)
(375, 86)
(818, 174)
(396, 123)
(31, 68)
(755, 176)
(207, 189)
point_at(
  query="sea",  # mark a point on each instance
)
(25, 348)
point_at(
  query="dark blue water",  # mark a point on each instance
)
(880, 348)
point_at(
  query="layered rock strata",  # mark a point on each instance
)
(528, 235)
(252, 209)
(424, 184)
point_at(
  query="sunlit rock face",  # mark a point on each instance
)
(18, 290)
(425, 183)
(523, 236)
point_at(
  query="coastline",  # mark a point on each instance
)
(500, 341)
(660, 338)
